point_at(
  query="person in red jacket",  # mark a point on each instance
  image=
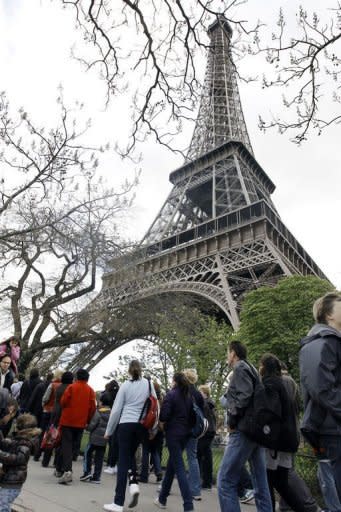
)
(78, 404)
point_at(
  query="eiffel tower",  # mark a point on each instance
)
(218, 234)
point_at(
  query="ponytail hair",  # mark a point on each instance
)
(181, 382)
(135, 370)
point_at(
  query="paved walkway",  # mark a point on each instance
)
(42, 493)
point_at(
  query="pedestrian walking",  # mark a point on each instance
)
(194, 478)
(78, 404)
(320, 373)
(177, 416)
(95, 448)
(205, 457)
(125, 415)
(240, 448)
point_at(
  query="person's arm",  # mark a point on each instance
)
(92, 405)
(116, 412)
(238, 395)
(93, 422)
(66, 397)
(47, 395)
(15, 353)
(166, 409)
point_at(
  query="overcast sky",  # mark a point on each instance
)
(35, 41)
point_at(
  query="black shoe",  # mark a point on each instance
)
(85, 477)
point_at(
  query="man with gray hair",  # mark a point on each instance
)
(320, 372)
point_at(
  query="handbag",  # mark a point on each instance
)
(149, 416)
(51, 438)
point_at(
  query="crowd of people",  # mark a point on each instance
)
(262, 408)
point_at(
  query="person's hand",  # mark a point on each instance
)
(106, 436)
(230, 430)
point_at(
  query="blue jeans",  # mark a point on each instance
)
(332, 449)
(328, 487)
(176, 466)
(194, 478)
(7, 496)
(239, 449)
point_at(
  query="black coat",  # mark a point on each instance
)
(26, 392)
(289, 435)
(34, 404)
(320, 372)
(9, 379)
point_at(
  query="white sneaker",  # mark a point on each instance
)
(110, 470)
(66, 478)
(158, 504)
(112, 507)
(134, 491)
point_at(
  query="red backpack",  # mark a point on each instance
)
(149, 416)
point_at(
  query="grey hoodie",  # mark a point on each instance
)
(320, 372)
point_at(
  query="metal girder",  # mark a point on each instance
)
(217, 235)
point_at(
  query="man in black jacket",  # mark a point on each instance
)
(240, 448)
(320, 369)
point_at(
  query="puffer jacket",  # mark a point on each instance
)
(14, 456)
(98, 425)
(320, 372)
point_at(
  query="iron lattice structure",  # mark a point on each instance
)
(218, 234)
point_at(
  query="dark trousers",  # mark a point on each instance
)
(150, 450)
(205, 459)
(308, 502)
(96, 452)
(176, 466)
(71, 438)
(279, 479)
(45, 423)
(113, 450)
(130, 435)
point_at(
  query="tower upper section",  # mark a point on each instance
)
(220, 117)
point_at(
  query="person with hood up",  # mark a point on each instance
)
(14, 457)
(320, 373)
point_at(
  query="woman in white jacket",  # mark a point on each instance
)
(126, 413)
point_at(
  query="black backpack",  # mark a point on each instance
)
(210, 415)
(262, 419)
(200, 425)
